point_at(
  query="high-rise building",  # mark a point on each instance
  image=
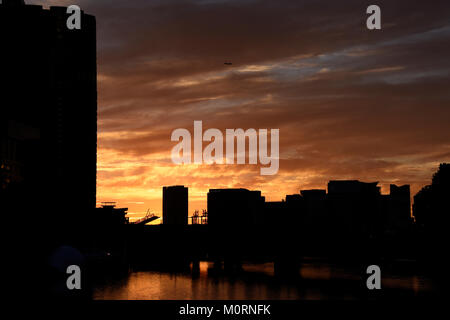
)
(48, 121)
(175, 205)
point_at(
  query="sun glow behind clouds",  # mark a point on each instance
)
(349, 105)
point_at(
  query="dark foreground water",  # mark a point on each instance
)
(315, 281)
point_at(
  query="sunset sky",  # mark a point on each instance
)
(350, 103)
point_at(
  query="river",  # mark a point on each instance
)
(315, 281)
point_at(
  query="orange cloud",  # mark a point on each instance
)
(349, 104)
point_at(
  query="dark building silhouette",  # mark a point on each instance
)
(110, 216)
(432, 213)
(294, 200)
(431, 204)
(48, 135)
(314, 214)
(354, 206)
(399, 208)
(349, 207)
(175, 205)
(228, 207)
(13, 3)
(276, 213)
(48, 123)
(295, 210)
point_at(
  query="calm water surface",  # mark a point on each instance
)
(257, 281)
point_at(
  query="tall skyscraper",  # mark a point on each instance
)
(175, 205)
(48, 122)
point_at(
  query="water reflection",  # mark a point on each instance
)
(204, 281)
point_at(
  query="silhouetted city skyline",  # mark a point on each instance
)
(249, 207)
(54, 168)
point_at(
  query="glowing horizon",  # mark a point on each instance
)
(350, 104)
